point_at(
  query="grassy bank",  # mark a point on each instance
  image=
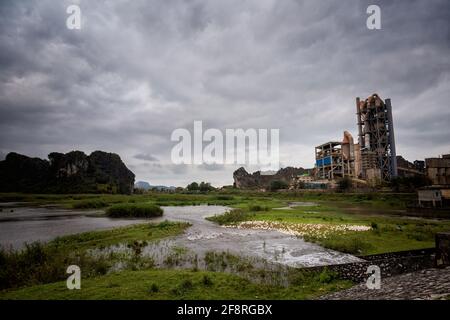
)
(235, 198)
(133, 210)
(381, 211)
(44, 263)
(176, 285)
(322, 223)
(330, 221)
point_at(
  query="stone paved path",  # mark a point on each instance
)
(427, 284)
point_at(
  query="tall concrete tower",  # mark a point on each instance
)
(376, 138)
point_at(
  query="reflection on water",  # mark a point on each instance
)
(20, 225)
(192, 249)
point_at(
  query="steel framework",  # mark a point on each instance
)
(376, 136)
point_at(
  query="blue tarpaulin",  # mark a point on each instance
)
(323, 162)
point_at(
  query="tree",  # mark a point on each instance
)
(277, 185)
(344, 184)
(409, 184)
(205, 186)
(193, 186)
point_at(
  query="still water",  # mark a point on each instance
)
(19, 225)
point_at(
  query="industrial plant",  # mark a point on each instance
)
(370, 161)
(373, 157)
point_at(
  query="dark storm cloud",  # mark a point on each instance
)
(137, 70)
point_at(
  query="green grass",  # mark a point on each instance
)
(391, 233)
(44, 263)
(40, 264)
(394, 233)
(177, 285)
(100, 239)
(133, 210)
(231, 217)
(233, 197)
(90, 204)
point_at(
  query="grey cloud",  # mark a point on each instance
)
(140, 69)
(146, 157)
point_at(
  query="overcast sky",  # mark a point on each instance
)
(139, 69)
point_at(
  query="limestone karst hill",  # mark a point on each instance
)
(73, 172)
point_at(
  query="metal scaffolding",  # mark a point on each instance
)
(376, 137)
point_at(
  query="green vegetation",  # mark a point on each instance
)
(344, 184)
(257, 207)
(392, 232)
(389, 233)
(278, 185)
(100, 239)
(230, 197)
(231, 217)
(201, 187)
(38, 263)
(90, 204)
(409, 184)
(131, 210)
(178, 284)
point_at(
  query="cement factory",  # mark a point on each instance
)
(369, 163)
(373, 158)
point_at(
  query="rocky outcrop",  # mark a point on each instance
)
(21, 173)
(73, 172)
(259, 180)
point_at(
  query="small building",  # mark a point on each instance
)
(438, 170)
(305, 178)
(434, 196)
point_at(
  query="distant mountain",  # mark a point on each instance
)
(73, 172)
(147, 186)
(163, 188)
(142, 185)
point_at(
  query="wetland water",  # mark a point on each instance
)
(27, 224)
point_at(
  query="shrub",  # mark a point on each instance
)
(327, 276)
(182, 288)
(344, 184)
(37, 264)
(348, 244)
(207, 281)
(277, 185)
(131, 210)
(224, 197)
(256, 207)
(90, 204)
(230, 217)
(154, 288)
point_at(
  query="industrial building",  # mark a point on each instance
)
(434, 196)
(438, 170)
(373, 157)
(376, 138)
(336, 159)
(438, 194)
